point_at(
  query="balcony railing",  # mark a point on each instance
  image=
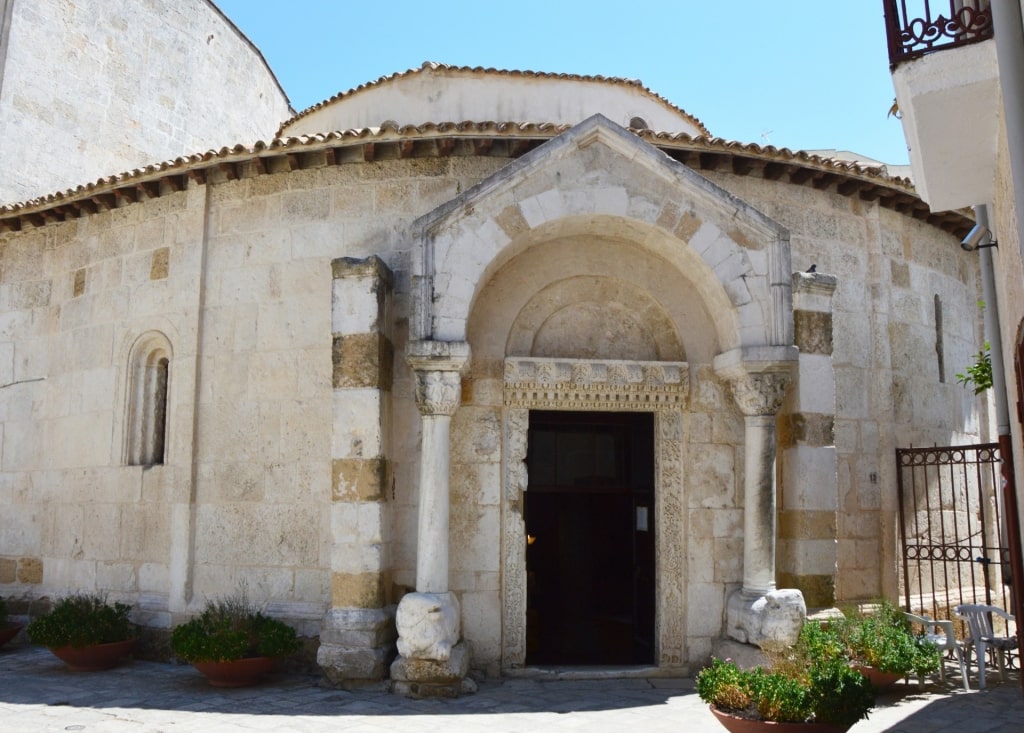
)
(917, 27)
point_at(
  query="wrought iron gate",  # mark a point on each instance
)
(951, 527)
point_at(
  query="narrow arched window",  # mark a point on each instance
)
(149, 381)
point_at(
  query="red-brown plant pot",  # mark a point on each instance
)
(237, 672)
(9, 632)
(94, 657)
(879, 680)
(736, 724)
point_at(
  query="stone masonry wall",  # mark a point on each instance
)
(74, 298)
(889, 268)
(252, 472)
(237, 274)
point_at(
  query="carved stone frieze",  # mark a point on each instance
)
(516, 424)
(670, 537)
(570, 384)
(595, 385)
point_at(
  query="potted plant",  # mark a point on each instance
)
(883, 646)
(232, 642)
(809, 688)
(85, 631)
(8, 629)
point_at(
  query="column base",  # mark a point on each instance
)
(357, 645)
(429, 625)
(775, 617)
(744, 656)
(433, 678)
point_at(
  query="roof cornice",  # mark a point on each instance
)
(492, 139)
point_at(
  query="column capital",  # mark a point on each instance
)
(759, 377)
(438, 369)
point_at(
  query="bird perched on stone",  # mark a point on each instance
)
(812, 268)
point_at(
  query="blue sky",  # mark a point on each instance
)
(803, 74)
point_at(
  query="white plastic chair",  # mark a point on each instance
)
(979, 623)
(942, 635)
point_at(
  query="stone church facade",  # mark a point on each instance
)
(559, 389)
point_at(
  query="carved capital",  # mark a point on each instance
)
(438, 392)
(438, 367)
(760, 393)
(759, 376)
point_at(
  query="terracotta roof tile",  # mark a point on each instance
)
(895, 192)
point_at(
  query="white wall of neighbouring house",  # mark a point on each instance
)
(97, 87)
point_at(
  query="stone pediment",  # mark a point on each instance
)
(598, 179)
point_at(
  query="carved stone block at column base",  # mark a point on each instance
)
(429, 625)
(357, 645)
(745, 656)
(777, 616)
(433, 678)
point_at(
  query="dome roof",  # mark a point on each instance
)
(440, 93)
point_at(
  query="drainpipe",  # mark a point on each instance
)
(992, 327)
(992, 336)
(1008, 29)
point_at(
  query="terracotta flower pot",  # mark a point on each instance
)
(736, 724)
(95, 657)
(879, 680)
(237, 672)
(9, 632)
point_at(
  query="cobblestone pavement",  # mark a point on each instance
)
(37, 693)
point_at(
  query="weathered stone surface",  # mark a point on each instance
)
(345, 666)
(819, 590)
(433, 678)
(160, 264)
(362, 360)
(359, 479)
(30, 570)
(377, 623)
(807, 524)
(79, 286)
(359, 590)
(813, 332)
(8, 569)
(776, 616)
(746, 656)
(428, 625)
(811, 429)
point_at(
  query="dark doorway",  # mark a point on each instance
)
(590, 538)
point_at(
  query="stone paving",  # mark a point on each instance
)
(37, 693)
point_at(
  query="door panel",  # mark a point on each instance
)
(590, 538)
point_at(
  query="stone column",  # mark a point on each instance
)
(810, 497)
(358, 633)
(432, 661)
(758, 612)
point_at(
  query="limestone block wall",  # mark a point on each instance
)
(713, 462)
(888, 346)
(245, 487)
(808, 498)
(75, 298)
(96, 87)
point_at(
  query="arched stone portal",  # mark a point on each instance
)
(601, 226)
